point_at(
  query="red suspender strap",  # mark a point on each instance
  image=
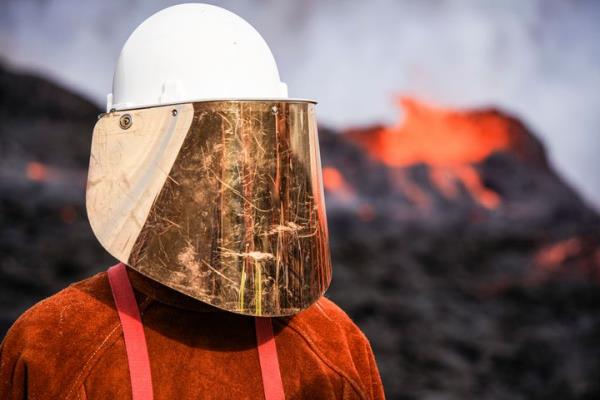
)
(137, 351)
(133, 333)
(269, 363)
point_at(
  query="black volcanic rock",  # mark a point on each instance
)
(45, 239)
(463, 300)
(43, 122)
(483, 284)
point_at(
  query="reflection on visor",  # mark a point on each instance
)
(221, 201)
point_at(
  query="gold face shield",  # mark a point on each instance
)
(219, 200)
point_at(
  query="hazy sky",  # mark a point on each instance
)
(539, 59)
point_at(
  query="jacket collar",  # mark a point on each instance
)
(166, 295)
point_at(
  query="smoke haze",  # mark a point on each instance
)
(538, 59)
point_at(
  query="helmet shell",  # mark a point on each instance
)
(194, 52)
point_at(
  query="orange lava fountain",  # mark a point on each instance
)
(449, 142)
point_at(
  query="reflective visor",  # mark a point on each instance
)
(222, 201)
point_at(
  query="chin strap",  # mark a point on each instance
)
(137, 350)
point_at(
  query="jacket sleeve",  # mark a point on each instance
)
(371, 375)
(13, 368)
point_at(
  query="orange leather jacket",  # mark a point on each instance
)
(70, 346)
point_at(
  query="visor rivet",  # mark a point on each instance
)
(174, 112)
(274, 110)
(125, 122)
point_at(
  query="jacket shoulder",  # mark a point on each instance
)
(326, 316)
(338, 342)
(73, 309)
(49, 346)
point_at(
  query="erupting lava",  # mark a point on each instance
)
(438, 137)
(448, 142)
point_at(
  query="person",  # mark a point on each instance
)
(205, 183)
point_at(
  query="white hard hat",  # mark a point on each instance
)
(194, 52)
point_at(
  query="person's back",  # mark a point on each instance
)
(205, 183)
(70, 346)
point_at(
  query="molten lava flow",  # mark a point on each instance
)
(471, 179)
(333, 179)
(365, 212)
(37, 172)
(334, 182)
(447, 179)
(410, 190)
(68, 214)
(552, 257)
(449, 142)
